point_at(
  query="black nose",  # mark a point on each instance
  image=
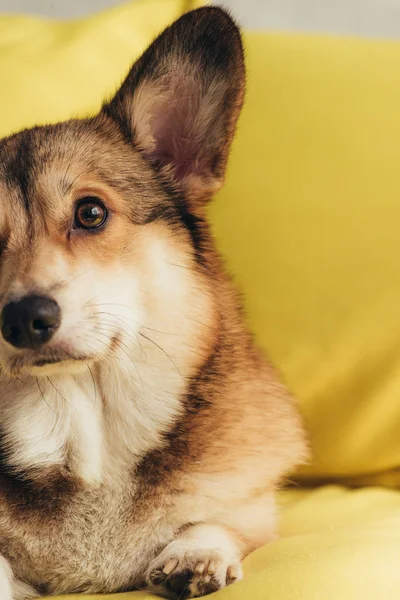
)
(30, 322)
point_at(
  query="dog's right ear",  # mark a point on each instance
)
(180, 102)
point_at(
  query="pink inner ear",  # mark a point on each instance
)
(176, 141)
(181, 126)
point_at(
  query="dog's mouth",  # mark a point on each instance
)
(64, 357)
(53, 360)
(32, 361)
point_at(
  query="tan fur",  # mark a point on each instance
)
(142, 445)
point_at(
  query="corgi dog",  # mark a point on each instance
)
(142, 434)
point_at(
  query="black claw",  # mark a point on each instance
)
(157, 577)
(208, 587)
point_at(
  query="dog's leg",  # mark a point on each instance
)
(201, 560)
(10, 587)
(6, 579)
(23, 591)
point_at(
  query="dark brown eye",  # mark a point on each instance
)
(90, 213)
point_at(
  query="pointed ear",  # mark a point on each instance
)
(181, 100)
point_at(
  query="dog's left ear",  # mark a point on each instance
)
(180, 102)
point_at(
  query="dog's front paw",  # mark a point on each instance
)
(191, 574)
(202, 559)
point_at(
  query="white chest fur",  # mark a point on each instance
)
(95, 421)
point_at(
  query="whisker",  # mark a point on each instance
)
(92, 337)
(41, 393)
(90, 302)
(132, 361)
(125, 346)
(66, 283)
(162, 350)
(94, 385)
(123, 321)
(71, 183)
(180, 266)
(109, 327)
(58, 391)
(113, 304)
(121, 318)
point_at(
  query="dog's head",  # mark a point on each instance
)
(101, 220)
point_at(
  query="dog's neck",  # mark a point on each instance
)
(97, 422)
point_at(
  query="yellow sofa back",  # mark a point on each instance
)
(309, 222)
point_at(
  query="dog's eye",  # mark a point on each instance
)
(90, 213)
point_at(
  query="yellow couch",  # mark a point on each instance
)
(309, 223)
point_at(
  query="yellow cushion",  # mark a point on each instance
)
(309, 222)
(55, 70)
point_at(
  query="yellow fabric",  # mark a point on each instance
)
(309, 224)
(55, 70)
(308, 221)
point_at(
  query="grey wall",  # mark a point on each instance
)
(56, 8)
(360, 17)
